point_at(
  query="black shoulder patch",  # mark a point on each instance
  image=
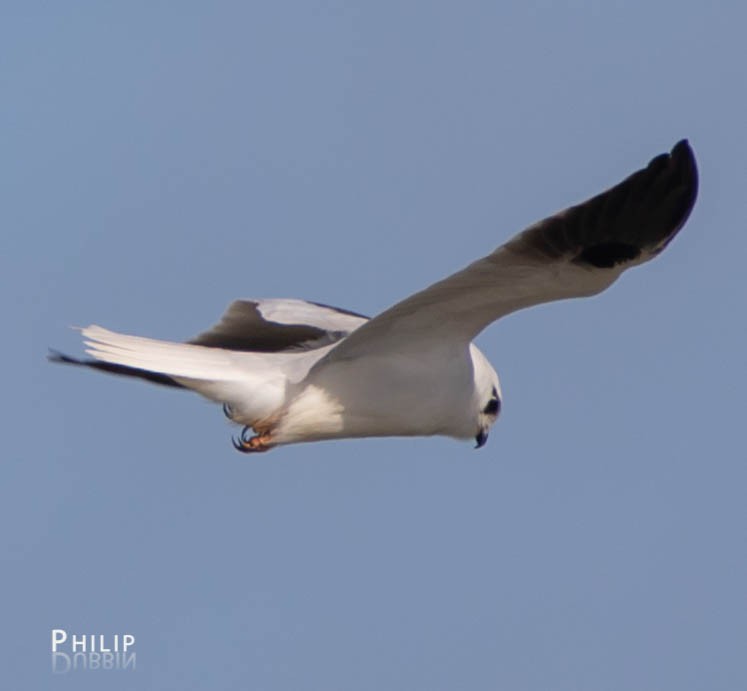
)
(605, 255)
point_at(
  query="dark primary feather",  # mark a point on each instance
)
(640, 214)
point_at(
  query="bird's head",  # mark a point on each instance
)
(487, 396)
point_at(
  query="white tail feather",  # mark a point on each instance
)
(174, 359)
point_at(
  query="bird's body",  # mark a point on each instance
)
(446, 404)
(295, 371)
(287, 394)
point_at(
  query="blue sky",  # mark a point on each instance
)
(161, 159)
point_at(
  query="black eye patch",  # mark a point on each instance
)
(493, 407)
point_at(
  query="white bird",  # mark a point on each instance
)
(294, 371)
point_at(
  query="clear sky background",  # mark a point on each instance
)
(159, 159)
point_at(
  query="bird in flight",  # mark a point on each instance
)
(295, 371)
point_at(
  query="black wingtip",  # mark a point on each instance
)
(645, 212)
(674, 177)
(683, 157)
(685, 153)
(683, 145)
(685, 176)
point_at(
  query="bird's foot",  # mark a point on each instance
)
(248, 443)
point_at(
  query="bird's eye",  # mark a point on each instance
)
(493, 407)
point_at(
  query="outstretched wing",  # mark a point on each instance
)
(575, 253)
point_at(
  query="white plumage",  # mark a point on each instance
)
(293, 371)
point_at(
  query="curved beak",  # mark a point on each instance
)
(481, 438)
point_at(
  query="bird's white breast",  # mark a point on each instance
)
(393, 394)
